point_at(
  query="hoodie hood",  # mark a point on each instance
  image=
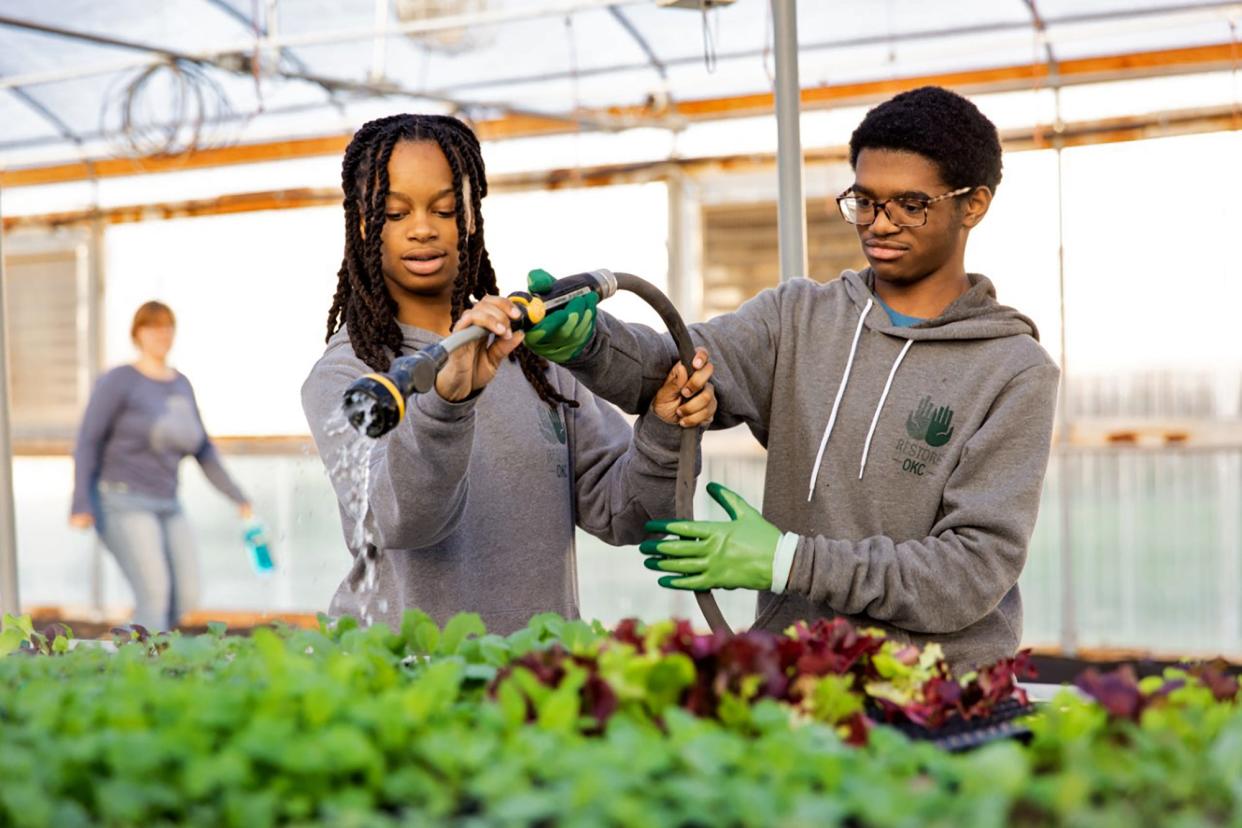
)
(974, 315)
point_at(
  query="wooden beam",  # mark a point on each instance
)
(87, 625)
(222, 205)
(1126, 128)
(283, 445)
(1104, 131)
(1127, 66)
(980, 81)
(219, 157)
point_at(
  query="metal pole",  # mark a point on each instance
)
(1064, 450)
(92, 367)
(1069, 589)
(685, 246)
(1229, 572)
(8, 516)
(791, 212)
(379, 46)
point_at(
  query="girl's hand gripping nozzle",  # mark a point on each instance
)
(375, 403)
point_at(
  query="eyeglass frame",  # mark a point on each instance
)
(877, 206)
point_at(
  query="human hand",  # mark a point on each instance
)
(82, 520)
(564, 332)
(688, 403)
(734, 554)
(245, 510)
(474, 364)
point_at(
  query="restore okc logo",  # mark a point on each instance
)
(928, 428)
(552, 428)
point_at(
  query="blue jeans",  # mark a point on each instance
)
(154, 546)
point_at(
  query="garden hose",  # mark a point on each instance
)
(375, 403)
(683, 497)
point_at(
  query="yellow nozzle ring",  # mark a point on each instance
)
(535, 311)
(392, 389)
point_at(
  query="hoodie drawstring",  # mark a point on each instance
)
(880, 406)
(836, 404)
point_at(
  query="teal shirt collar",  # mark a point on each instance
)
(900, 320)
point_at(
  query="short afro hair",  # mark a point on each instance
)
(939, 125)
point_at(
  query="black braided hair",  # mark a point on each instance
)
(362, 302)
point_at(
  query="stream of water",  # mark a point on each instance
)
(352, 464)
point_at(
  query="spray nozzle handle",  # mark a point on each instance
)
(375, 403)
(602, 282)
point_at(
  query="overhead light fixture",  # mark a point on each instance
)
(696, 5)
(452, 40)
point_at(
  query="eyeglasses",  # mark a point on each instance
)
(903, 211)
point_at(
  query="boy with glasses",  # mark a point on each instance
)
(906, 413)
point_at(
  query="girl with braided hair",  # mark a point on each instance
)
(475, 496)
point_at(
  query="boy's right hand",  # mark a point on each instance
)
(562, 334)
(82, 520)
(474, 364)
(689, 403)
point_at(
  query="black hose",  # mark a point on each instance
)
(683, 499)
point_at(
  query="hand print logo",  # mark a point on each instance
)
(933, 425)
(551, 426)
(919, 419)
(940, 429)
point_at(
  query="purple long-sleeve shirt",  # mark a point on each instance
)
(135, 431)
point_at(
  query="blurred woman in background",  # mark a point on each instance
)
(142, 419)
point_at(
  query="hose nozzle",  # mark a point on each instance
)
(372, 405)
(375, 403)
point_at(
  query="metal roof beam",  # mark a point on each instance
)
(89, 37)
(1041, 32)
(526, 11)
(45, 113)
(1082, 19)
(241, 62)
(1179, 12)
(98, 135)
(628, 25)
(1125, 66)
(1085, 133)
(586, 120)
(296, 62)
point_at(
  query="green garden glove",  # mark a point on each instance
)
(564, 332)
(736, 554)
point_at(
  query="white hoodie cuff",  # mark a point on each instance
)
(782, 561)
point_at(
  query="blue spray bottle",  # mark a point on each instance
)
(257, 546)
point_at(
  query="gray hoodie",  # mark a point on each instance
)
(910, 460)
(474, 503)
(136, 430)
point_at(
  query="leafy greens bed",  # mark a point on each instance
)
(568, 723)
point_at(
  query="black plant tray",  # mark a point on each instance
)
(959, 734)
